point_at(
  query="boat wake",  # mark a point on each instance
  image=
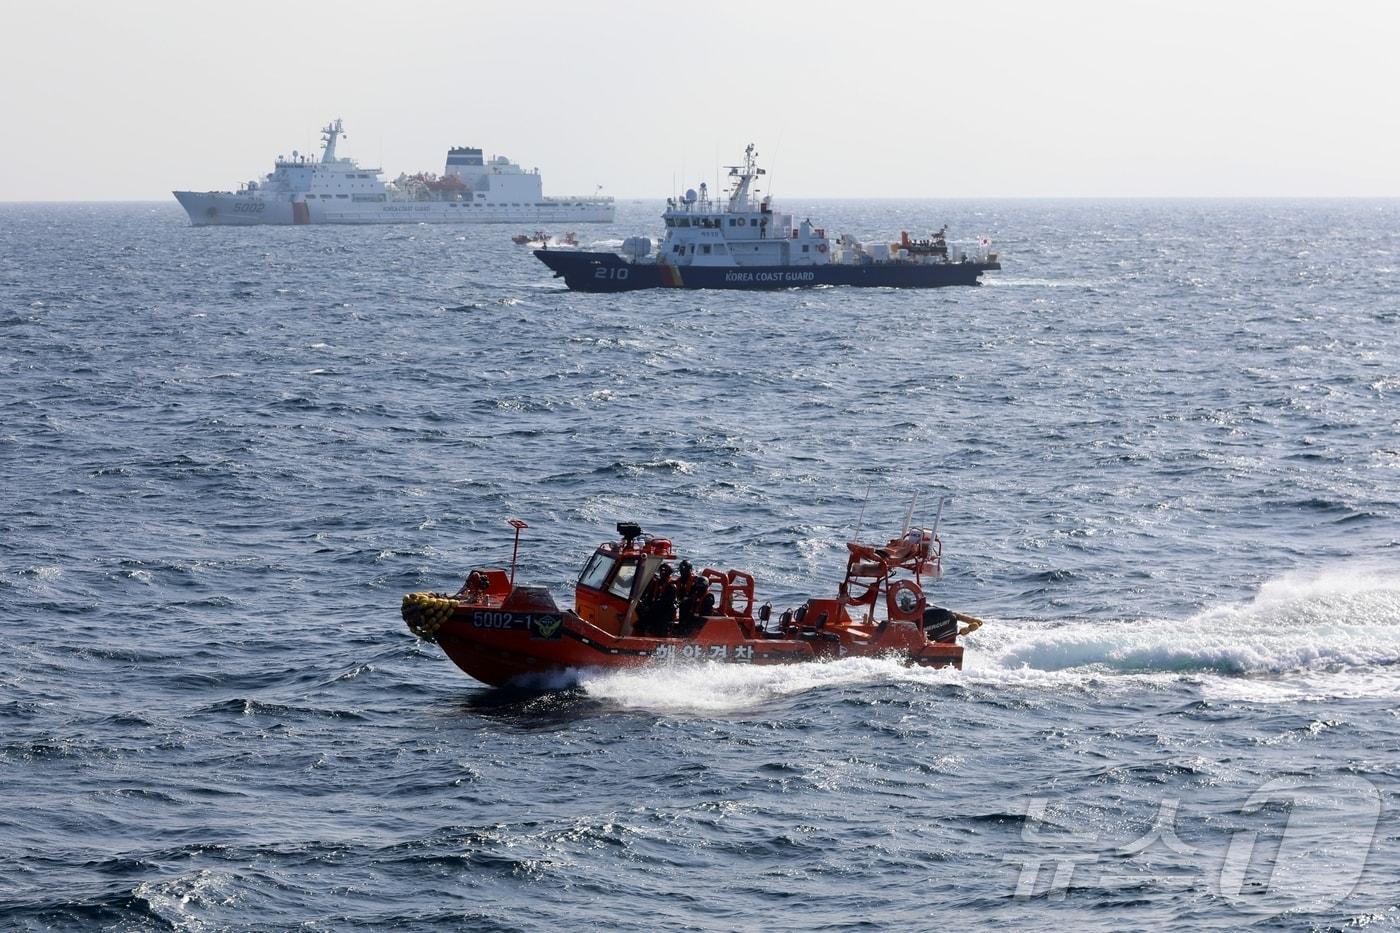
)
(717, 688)
(1342, 618)
(1333, 634)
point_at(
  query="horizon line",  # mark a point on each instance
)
(930, 197)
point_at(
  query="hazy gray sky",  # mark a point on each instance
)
(923, 99)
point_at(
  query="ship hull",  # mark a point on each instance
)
(225, 209)
(609, 272)
(501, 648)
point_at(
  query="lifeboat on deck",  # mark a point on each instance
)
(625, 615)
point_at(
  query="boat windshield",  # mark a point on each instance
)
(596, 571)
(622, 582)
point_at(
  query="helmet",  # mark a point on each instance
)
(685, 568)
(665, 570)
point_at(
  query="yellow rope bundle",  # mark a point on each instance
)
(426, 612)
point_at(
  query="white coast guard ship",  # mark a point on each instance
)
(336, 190)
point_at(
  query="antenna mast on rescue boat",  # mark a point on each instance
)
(518, 525)
(938, 517)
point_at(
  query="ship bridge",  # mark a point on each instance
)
(741, 229)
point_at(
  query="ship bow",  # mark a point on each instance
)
(596, 272)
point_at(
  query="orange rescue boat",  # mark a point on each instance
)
(629, 611)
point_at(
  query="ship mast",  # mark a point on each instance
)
(328, 137)
(744, 175)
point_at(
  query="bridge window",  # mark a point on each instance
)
(595, 572)
(622, 581)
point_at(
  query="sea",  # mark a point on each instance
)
(1166, 437)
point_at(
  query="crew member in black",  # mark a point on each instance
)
(692, 589)
(684, 577)
(474, 588)
(707, 605)
(658, 608)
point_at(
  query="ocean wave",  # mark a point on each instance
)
(228, 453)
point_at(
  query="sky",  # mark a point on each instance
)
(128, 100)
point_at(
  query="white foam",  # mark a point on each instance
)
(718, 687)
(180, 900)
(1341, 618)
(1331, 634)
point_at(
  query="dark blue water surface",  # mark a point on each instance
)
(1172, 434)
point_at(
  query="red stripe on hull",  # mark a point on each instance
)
(500, 656)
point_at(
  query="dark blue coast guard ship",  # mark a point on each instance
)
(744, 243)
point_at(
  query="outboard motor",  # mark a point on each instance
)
(940, 624)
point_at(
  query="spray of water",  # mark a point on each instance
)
(1335, 633)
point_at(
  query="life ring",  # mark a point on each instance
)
(904, 600)
(821, 247)
(742, 221)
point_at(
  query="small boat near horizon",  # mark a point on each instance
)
(545, 240)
